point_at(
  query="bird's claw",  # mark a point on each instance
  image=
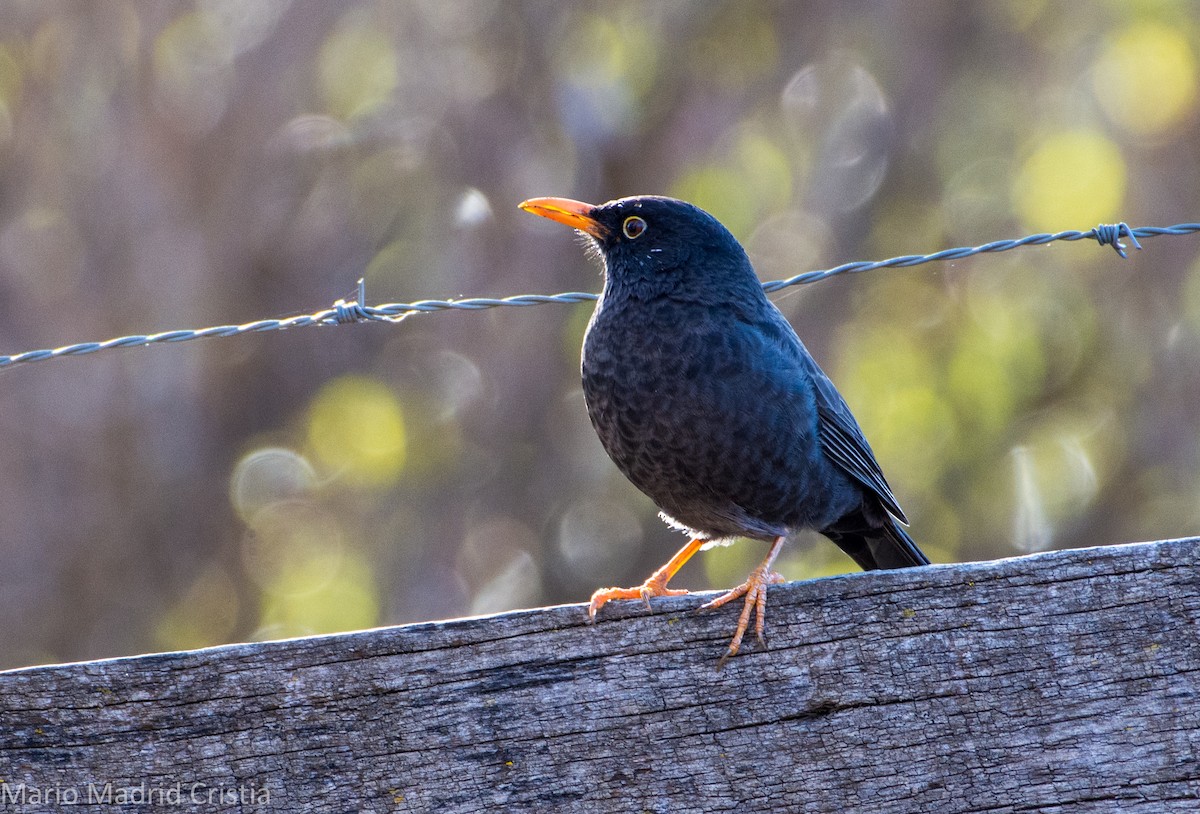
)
(755, 591)
(649, 588)
(655, 584)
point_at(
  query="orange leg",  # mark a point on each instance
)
(656, 585)
(755, 591)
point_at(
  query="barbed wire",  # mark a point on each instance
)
(343, 312)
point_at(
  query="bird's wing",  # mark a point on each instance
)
(844, 442)
(837, 431)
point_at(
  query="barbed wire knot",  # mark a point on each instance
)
(1110, 234)
(346, 312)
(358, 311)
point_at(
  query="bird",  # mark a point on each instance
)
(705, 398)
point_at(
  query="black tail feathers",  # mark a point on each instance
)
(875, 545)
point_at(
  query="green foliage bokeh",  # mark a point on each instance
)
(176, 164)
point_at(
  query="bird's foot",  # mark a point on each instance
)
(654, 586)
(755, 591)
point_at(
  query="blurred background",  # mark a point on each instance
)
(183, 164)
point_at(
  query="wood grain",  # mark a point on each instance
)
(1065, 682)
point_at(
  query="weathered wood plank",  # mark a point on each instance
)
(1065, 682)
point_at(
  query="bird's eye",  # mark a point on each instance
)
(633, 227)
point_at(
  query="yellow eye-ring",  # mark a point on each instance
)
(633, 227)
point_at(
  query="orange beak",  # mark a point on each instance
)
(576, 214)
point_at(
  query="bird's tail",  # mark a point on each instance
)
(874, 545)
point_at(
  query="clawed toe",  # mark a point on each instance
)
(754, 589)
(643, 592)
(655, 585)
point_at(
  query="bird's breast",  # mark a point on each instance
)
(705, 413)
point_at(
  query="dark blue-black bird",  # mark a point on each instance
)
(705, 398)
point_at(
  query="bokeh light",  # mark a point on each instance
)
(839, 116)
(597, 536)
(1146, 77)
(356, 430)
(312, 578)
(358, 68)
(207, 611)
(496, 562)
(193, 72)
(892, 388)
(748, 178)
(182, 164)
(308, 599)
(1075, 176)
(267, 477)
(607, 63)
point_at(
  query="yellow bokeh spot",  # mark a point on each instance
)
(188, 45)
(1017, 15)
(739, 46)
(394, 259)
(1191, 295)
(205, 615)
(885, 375)
(290, 535)
(766, 169)
(1071, 180)
(11, 77)
(310, 597)
(358, 70)
(1145, 78)
(998, 364)
(605, 49)
(356, 428)
(722, 192)
(753, 177)
(193, 72)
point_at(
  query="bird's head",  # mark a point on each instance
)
(654, 240)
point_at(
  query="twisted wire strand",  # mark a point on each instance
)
(343, 312)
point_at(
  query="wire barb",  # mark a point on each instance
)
(1109, 234)
(347, 312)
(343, 312)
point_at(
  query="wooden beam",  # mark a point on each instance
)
(1065, 682)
